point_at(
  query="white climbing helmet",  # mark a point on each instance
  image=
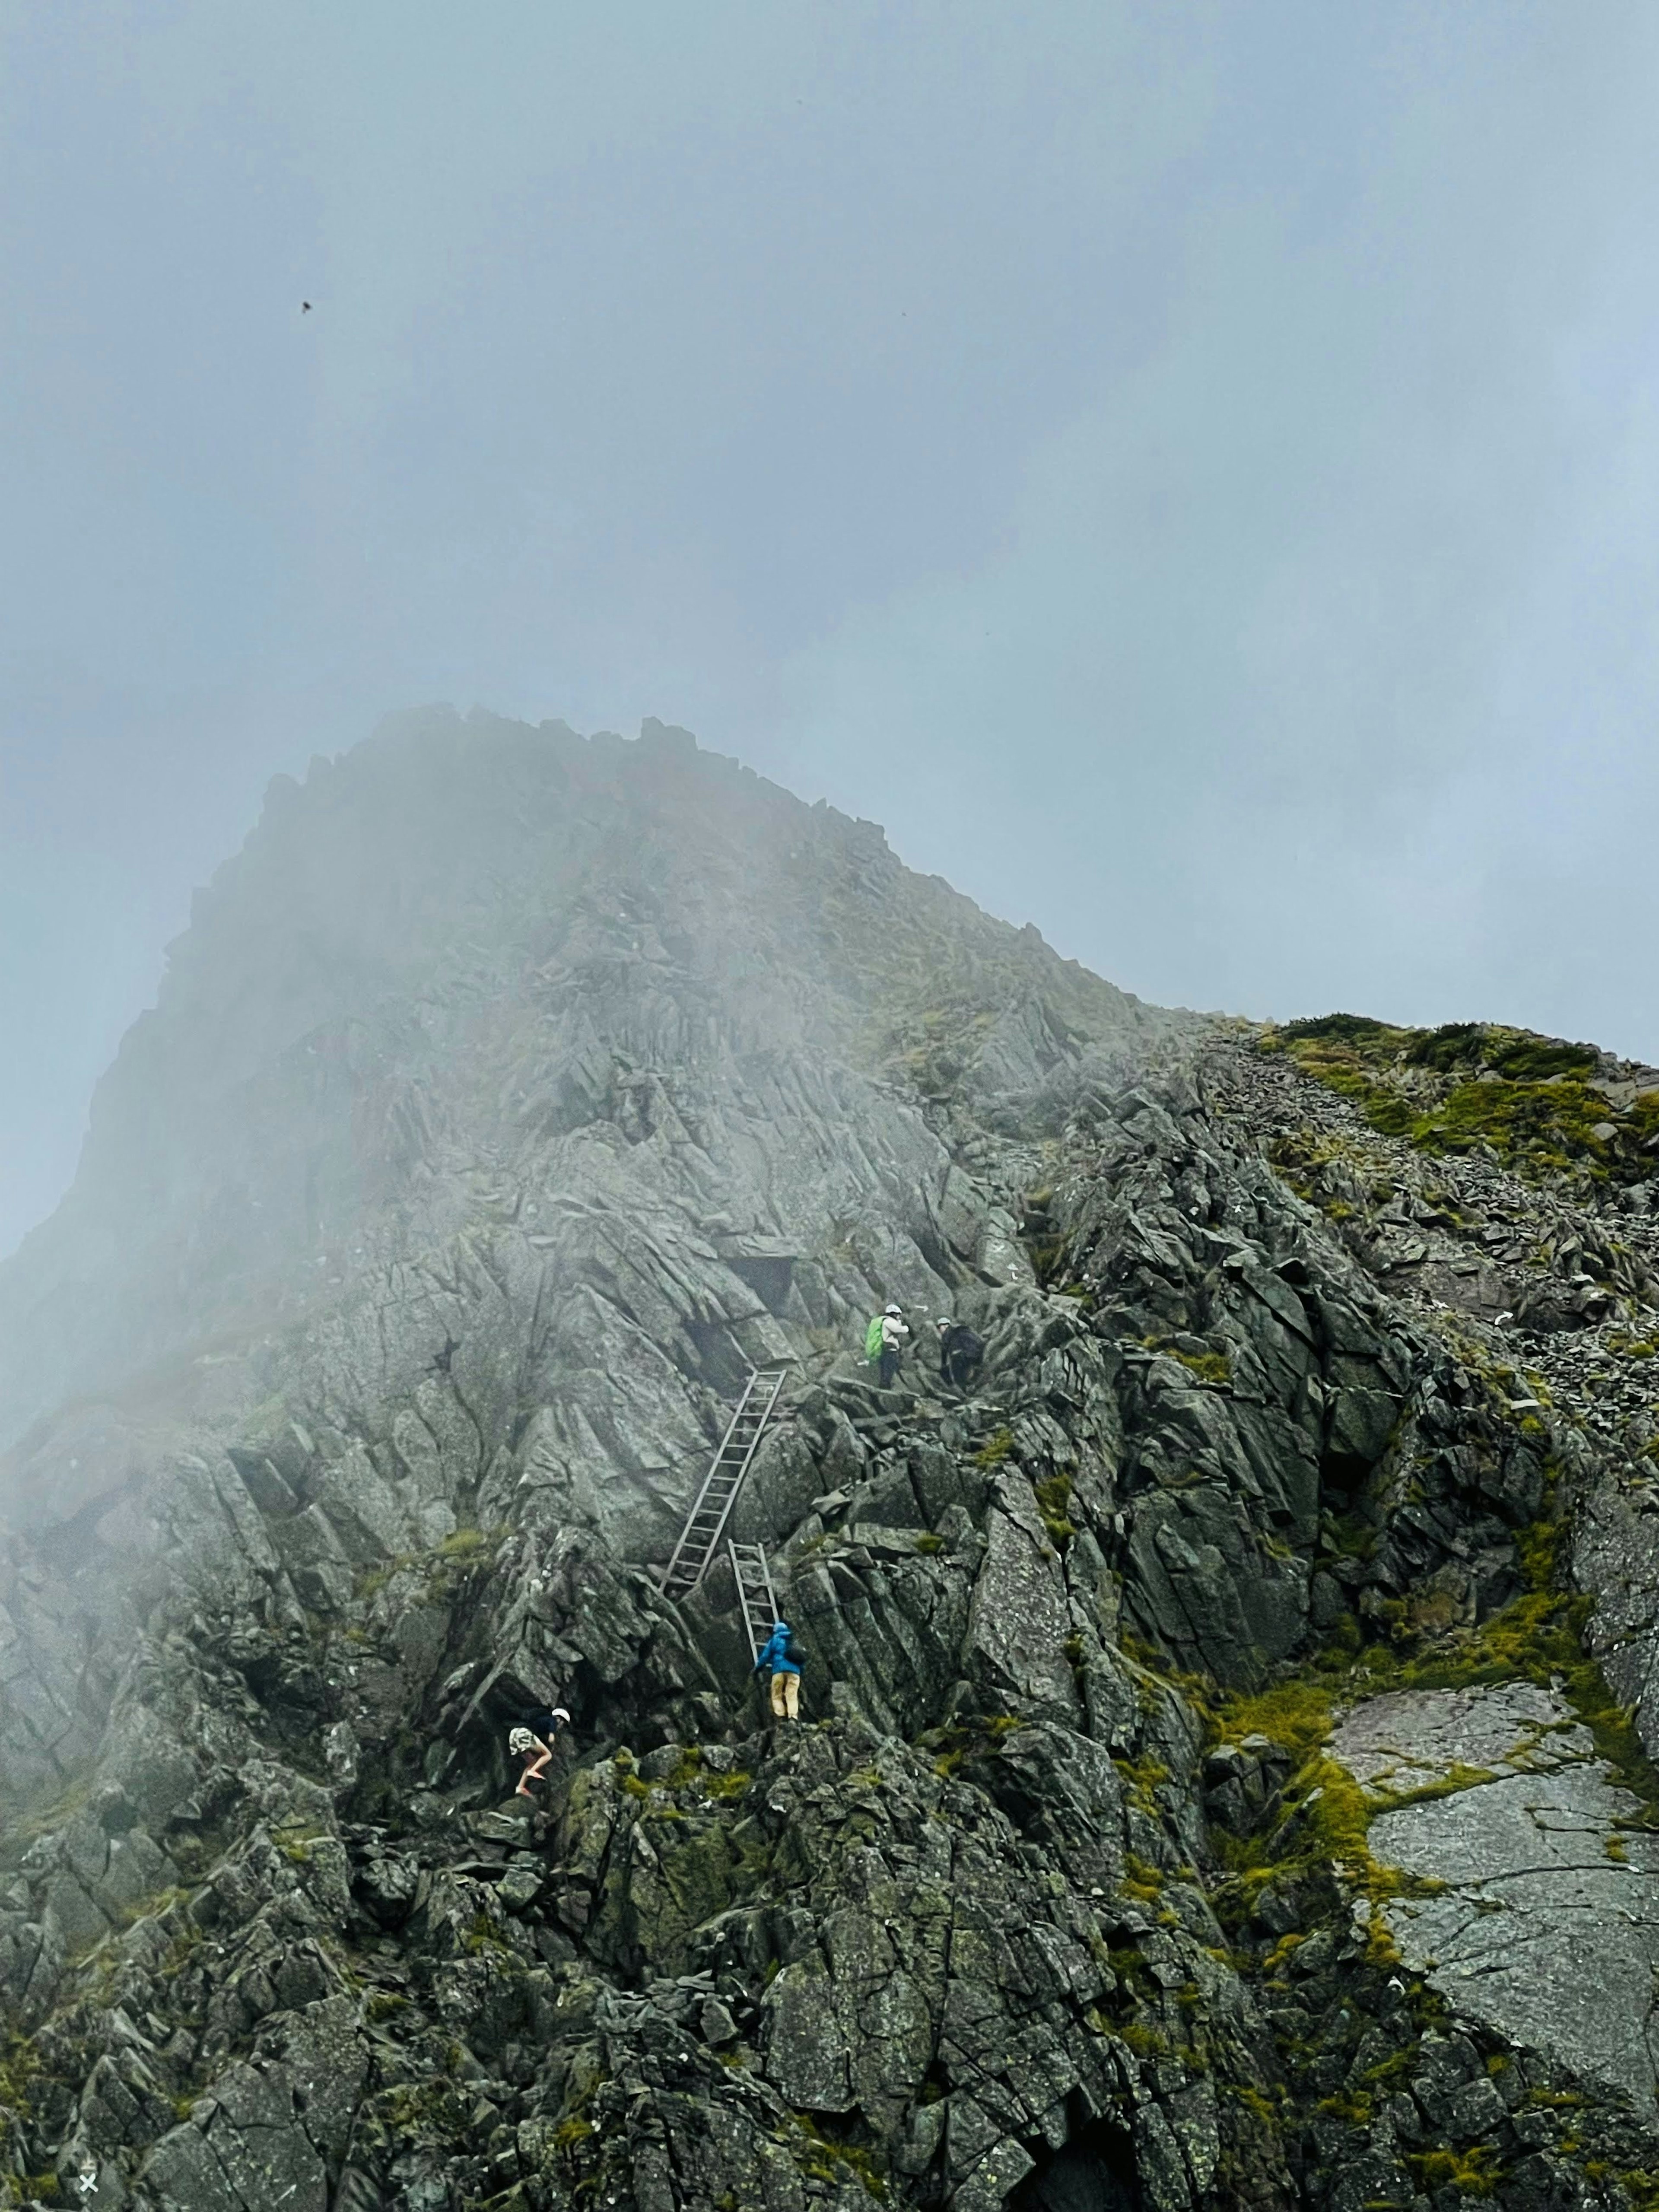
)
(559, 1714)
(896, 1309)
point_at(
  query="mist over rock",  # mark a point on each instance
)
(1224, 1768)
(507, 992)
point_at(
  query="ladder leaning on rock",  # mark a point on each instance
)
(759, 1601)
(705, 1524)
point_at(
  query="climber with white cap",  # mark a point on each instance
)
(893, 1333)
(960, 1352)
(524, 1743)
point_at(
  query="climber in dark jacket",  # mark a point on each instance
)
(960, 1352)
(781, 1657)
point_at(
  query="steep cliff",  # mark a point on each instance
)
(1223, 1776)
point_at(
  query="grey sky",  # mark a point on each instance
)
(1190, 472)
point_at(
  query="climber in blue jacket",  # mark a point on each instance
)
(781, 1656)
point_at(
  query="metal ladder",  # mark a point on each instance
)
(756, 1594)
(706, 1523)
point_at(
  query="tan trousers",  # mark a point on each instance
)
(786, 1695)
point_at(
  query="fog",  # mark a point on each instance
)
(1187, 471)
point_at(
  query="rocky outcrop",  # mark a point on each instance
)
(507, 995)
(510, 1093)
(1207, 1794)
(1543, 1918)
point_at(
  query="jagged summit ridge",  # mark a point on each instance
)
(468, 949)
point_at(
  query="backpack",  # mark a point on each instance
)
(872, 1338)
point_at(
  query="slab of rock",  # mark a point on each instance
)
(1547, 1928)
(1417, 1736)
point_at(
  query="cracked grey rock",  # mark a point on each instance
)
(1548, 1928)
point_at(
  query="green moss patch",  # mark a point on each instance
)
(822, 2158)
(1474, 2173)
(968, 1740)
(1467, 1083)
(1213, 1367)
(1054, 1499)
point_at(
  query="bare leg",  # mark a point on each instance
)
(533, 1773)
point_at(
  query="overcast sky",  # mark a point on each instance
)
(1192, 473)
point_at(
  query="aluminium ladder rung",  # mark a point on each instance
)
(711, 1507)
(757, 1598)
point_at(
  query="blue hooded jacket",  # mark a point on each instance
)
(779, 1655)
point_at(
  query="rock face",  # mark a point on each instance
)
(1206, 1794)
(1545, 1921)
(482, 990)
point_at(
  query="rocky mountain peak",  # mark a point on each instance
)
(1223, 1774)
(459, 957)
